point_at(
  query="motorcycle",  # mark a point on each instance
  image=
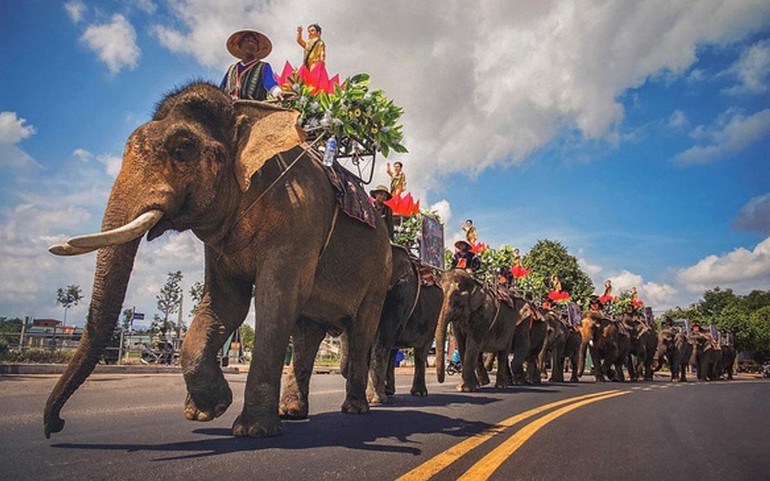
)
(454, 367)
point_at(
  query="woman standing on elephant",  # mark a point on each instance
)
(250, 79)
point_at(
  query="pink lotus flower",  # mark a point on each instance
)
(479, 248)
(606, 299)
(317, 78)
(558, 295)
(404, 206)
(519, 272)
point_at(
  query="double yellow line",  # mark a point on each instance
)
(484, 468)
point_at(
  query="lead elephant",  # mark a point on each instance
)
(408, 319)
(481, 323)
(238, 176)
(675, 348)
(728, 360)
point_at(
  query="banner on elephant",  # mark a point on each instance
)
(649, 319)
(432, 242)
(575, 316)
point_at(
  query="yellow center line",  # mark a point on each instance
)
(437, 463)
(487, 465)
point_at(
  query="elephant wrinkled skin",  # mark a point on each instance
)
(208, 166)
(609, 342)
(675, 348)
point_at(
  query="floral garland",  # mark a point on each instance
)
(362, 120)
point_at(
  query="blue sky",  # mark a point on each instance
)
(636, 133)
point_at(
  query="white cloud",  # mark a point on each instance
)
(83, 154)
(112, 164)
(521, 72)
(742, 270)
(731, 133)
(114, 42)
(147, 6)
(678, 120)
(753, 69)
(13, 128)
(755, 215)
(443, 209)
(75, 10)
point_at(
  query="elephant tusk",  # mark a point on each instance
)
(68, 250)
(120, 235)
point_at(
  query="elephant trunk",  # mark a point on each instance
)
(441, 328)
(582, 355)
(113, 270)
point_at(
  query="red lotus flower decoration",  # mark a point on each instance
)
(404, 206)
(558, 296)
(316, 78)
(637, 303)
(519, 272)
(479, 248)
(606, 299)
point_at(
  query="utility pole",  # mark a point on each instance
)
(179, 323)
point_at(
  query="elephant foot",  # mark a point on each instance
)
(256, 427)
(355, 406)
(293, 409)
(376, 398)
(462, 387)
(574, 380)
(502, 385)
(419, 391)
(390, 390)
(205, 406)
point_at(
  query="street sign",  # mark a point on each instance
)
(432, 242)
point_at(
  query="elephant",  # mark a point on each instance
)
(675, 347)
(556, 349)
(481, 323)
(728, 360)
(408, 319)
(537, 334)
(609, 342)
(706, 356)
(644, 342)
(240, 177)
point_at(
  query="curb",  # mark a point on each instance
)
(100, 369)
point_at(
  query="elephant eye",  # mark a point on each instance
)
(185, 149)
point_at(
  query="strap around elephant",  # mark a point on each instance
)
(419, 289)
(497, 313)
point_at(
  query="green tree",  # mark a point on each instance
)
(128, 316)
(760, 326)
(196, 293)
(169, 298)
(549, 257)
(714, 302)
(247, 336)
(71, 296)
(691, 312)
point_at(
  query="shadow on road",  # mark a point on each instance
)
(380, 430)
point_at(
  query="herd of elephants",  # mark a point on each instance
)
(240, 176)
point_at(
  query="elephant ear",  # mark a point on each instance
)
(262, 132)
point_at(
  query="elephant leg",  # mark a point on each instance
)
(481, 371)
(533, 375)
(489, 361)
(419, 387)
(307, 336)
(557, 365)
(503, 378)
(361, 334)
(390, 378)
(223, 307)
(470, 355)
(381, 359)
(574, 369)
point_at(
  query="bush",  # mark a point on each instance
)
(44, 356)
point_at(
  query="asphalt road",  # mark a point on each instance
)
(131, 427)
